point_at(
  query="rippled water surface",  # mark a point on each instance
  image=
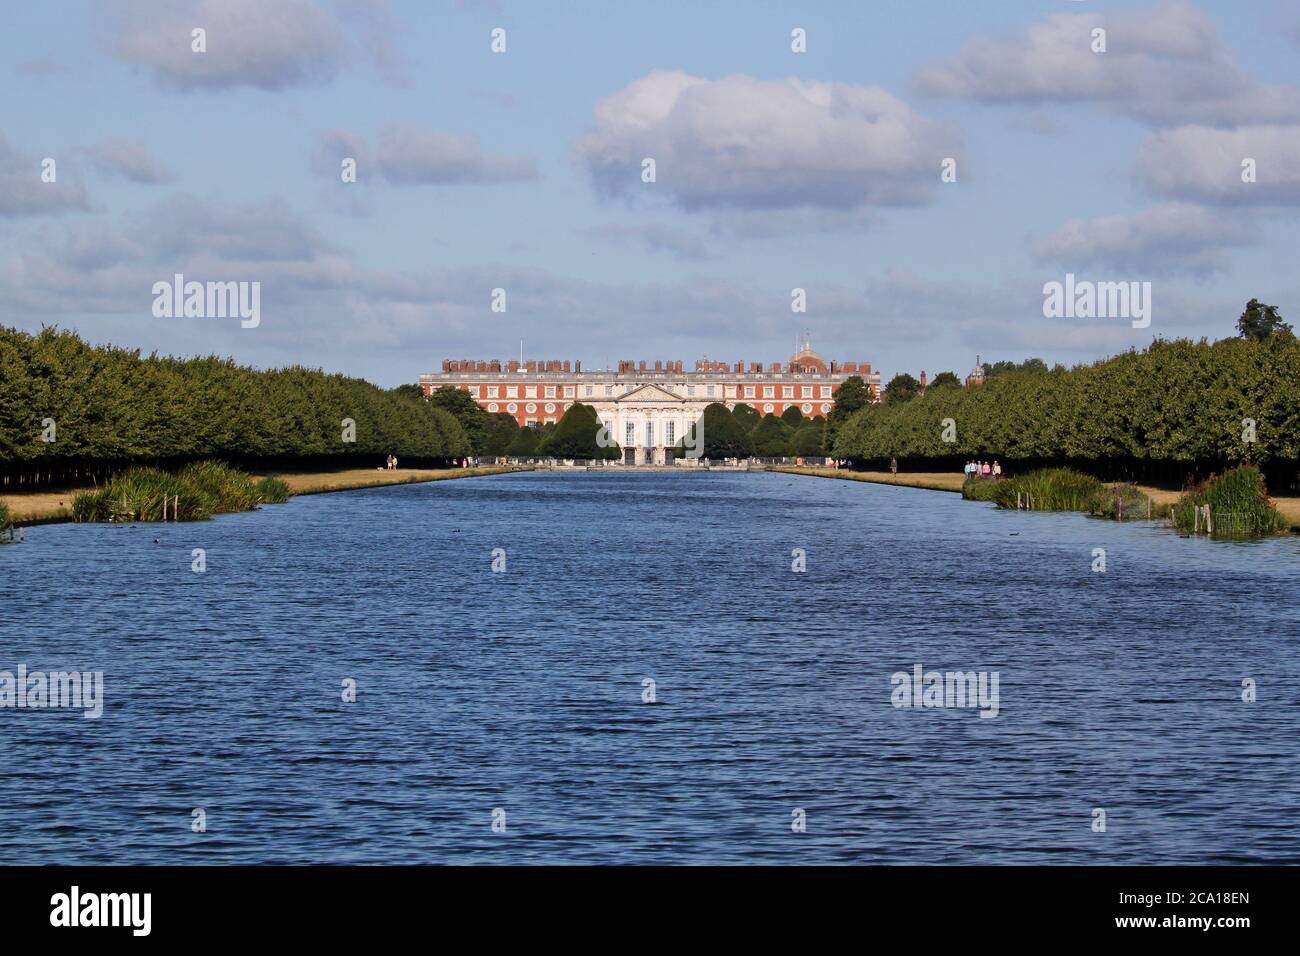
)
(523, 690)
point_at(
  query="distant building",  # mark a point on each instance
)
(976, 376)
(648, 410)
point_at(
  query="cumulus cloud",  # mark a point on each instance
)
(130, 161)
(414, 156)
(1203, 163)
(24, 193)
(1163, 66)
(265, 44)
(1167, 239)
(744, 143)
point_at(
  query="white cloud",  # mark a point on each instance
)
(413, 156)
(24, 193)
(1161, 240)
(131, 161)
(1163, 66)
(744, 143)
(265, 44)
(1203, 163)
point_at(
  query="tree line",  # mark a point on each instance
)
(69, 409)
(1172, 409)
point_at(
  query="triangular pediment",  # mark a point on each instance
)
(649, 393)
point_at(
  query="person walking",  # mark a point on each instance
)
(986, 469)
(997, 469)
(893, 466)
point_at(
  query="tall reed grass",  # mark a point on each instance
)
(195, 493)
(1239, 506)
(1049, 489)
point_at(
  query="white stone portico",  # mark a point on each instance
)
(648, 421)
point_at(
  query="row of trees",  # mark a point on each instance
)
(742, 432)
(1150, 413)
(68, 408)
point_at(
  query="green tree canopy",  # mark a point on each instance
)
(723, 437)
(524, 444)
(113, 407)
(575, 436)
(792, 416)
(746, 416)
(771, 439)
(902, 388)
(944, 380)
(501, 428)
(1259, 321)
(471, 415)
(807, 441)
(852, 396)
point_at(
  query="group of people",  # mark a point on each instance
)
(392, 462)
(982, 469)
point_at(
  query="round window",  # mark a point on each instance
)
(550, 407)
(492, 406)
(512, 408)
(530, 407)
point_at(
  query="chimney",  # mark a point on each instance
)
(923, 378)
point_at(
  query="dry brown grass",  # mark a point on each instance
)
(931, 480)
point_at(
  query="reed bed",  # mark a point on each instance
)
(1239, 506)
(195, 493)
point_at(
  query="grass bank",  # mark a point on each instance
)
(43, 507)
(1127, 501)
(931, 481)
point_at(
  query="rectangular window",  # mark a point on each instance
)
(629, 435)
(731, 391)
(512, 391)
(749, 391)
(826, 391)
(530, 421)
(649, 434)
(769, 391)
(568, 391)
(589, 389)
(690, 390)
(807, 391)
(550, 391)
(609, 389)
(787, 391)
(670, 433)
(530, 391)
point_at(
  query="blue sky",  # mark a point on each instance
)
(520, 170)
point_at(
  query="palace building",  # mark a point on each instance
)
(650, 409)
